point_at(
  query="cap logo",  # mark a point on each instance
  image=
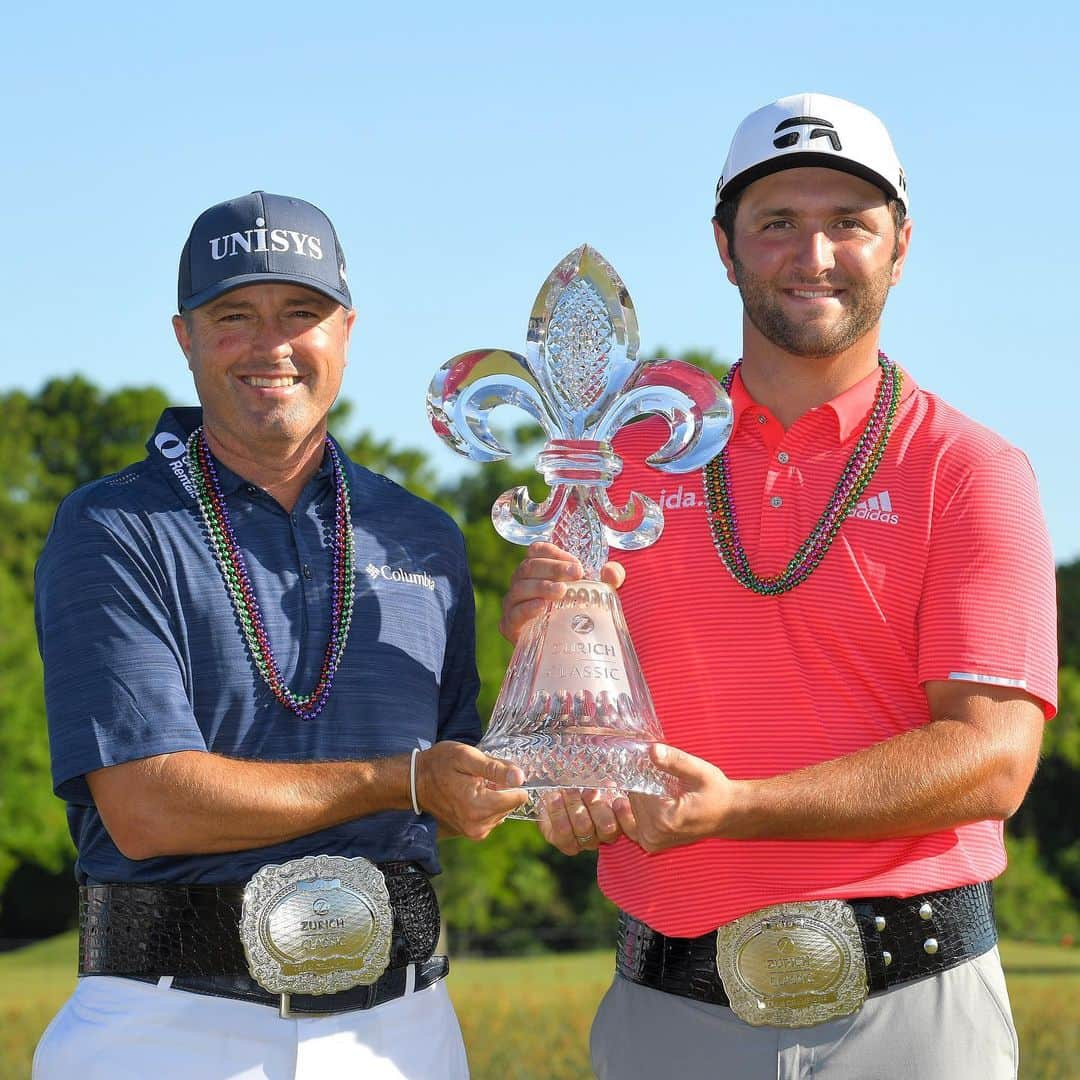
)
(823, 130)
(261, 238)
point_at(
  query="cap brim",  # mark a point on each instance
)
(228, 284)
(807, 160)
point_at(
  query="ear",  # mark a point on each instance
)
(350, 322)
(902, 243)
(183, 337)
(725, 253)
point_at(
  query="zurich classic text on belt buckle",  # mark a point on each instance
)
(316, 925)
(793, 965)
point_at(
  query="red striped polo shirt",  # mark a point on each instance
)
(944, 570)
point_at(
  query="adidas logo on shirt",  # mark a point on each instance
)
(678, 499)
(876, 508)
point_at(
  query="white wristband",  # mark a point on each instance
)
(412, 781)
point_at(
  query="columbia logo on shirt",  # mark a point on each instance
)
(396, 574)
(876, 508)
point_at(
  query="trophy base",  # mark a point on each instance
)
(601, 762)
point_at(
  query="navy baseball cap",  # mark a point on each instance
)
(261, 237)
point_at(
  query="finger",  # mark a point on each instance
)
(564, 568)
(559, 824)
(603, 816)
(627, 819)
(503, 774)
(580, 819)
(542, 549)
(542, 586)
(493, 771)
(680, 764)
(527, 600)
(497, 804)
(613, 574)
(548, 833)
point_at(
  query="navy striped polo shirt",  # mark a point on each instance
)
(144, 655)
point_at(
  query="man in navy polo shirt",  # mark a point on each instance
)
(260, 685)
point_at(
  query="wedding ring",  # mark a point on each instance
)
(583, 839)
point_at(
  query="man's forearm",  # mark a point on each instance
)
(973, 762)
(196, 802)
(928, 779)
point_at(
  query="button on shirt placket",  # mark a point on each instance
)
(775, 492)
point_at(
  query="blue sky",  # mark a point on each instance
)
(462, 150)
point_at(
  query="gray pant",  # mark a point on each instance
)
(953, 1026)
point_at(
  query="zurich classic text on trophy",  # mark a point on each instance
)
(574, 710)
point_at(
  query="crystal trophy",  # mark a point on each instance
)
(574, 710)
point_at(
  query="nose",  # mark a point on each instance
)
(814, 255)
(271, 341)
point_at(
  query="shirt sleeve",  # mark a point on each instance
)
(114, 680)
(460, 683)
(988, 610)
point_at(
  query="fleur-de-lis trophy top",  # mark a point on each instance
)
(580, 380)
(574, 710)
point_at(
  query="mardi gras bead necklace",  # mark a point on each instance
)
(860, 467)
(230, 560)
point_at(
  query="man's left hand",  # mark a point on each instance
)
(704, 797)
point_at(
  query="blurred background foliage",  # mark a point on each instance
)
(509, 895)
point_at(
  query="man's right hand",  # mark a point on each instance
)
(467, 791)
(575, 821)
(540, 579)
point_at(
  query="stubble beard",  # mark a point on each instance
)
(863, 305)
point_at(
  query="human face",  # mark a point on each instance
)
(267, 361)
(815, 254)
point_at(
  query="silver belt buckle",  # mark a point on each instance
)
(793, 965)
(316, 925)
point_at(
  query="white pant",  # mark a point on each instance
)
(118, 1029)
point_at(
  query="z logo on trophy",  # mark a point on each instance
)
(574, 710)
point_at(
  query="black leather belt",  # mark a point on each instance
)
(243, 988)
(902, 939)
(191, 932)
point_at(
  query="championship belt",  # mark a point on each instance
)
(316, 925)
(793, 965)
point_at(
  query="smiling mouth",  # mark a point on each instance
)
(264, 383)
(815, 294)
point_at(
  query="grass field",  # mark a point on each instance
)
(528, 1019)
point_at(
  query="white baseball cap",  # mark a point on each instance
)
(812, 130)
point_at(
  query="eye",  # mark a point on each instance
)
(774, 226)
(848, 224)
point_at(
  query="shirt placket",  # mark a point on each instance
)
(309, 525)
(776, 507)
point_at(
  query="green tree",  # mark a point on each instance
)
(66, 435)
(406, 466)
(1068, 589)
(702, 358)
(32, 824)
(1046, 819)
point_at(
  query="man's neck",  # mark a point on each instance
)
(280, 469)
(790, 386)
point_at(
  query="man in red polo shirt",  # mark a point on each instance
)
(849, 635)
